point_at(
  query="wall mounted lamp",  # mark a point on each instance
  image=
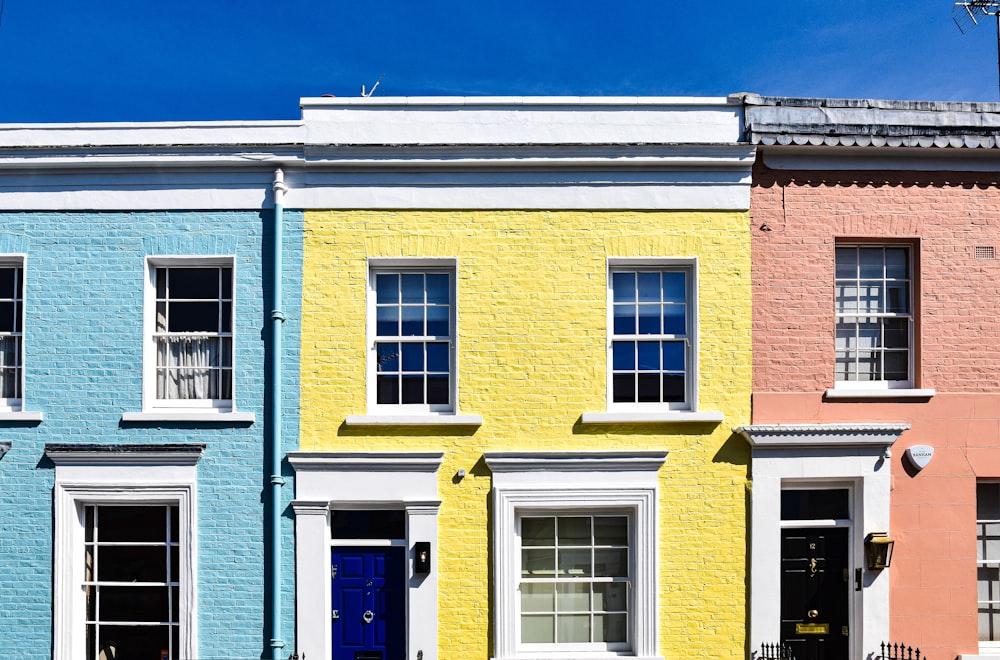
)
(878, 550)
(422, 557)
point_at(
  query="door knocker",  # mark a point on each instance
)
(368, 616)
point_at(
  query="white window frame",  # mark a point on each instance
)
(689, 266)
(874, 385)
(523, 512)
(135, 476)
(437, 265)
(564, 483)
(985, 646)
(150, 402)
(16, 405)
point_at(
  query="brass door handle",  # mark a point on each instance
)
(813, 614)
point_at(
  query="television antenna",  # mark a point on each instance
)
(968, 14)
(371, 91)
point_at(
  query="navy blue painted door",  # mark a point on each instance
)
(369, 611)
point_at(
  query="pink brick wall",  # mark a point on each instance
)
(796, 221)
(946, 215)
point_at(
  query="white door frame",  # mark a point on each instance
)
(821, 456)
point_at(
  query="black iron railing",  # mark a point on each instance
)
(892, 651)
(776, 651)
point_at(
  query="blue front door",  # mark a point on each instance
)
(369, 611)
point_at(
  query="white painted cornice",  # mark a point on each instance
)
(332, 461)
(178, 454)
(575, 461)
(665, 153)
(618, 155)
(142, 136)
(310, 507)
(821, 435)
(314, 102)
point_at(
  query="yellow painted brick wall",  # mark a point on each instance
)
(532, 333)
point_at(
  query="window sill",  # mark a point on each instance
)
(190, 416)
(575, 655)
(414, 420)
(665, 417)
(20, 416)
(881, 394)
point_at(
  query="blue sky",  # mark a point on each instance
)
(143, 60)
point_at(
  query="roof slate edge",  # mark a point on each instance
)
(818, 122)
(751, 99)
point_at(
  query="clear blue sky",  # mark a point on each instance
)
(141, 60)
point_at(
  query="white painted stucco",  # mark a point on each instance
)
(398, 153)
(820, 456)
(327, 481)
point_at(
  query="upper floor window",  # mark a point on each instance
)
(651, 349)
(412, 339)
(11, 334)
(192, 335)
(873, 297)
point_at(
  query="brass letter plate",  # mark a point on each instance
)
(812, 628)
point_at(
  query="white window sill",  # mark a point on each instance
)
(575, 655)
(665, 417)
(847, 393)
(20, 416)
(414, 420)
(189, 416)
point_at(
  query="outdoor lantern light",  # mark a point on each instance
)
(878, 550)
(422, 557)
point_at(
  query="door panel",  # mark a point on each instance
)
(368, 599)
(814, 593)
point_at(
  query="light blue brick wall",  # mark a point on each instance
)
(83, 359)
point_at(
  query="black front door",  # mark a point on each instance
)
(814, 593)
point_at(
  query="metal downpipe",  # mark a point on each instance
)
(277, 481)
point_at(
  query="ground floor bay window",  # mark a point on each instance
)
(131, 580)
(575, 554)
(124, 552)
(988, 564)
(574, 581)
